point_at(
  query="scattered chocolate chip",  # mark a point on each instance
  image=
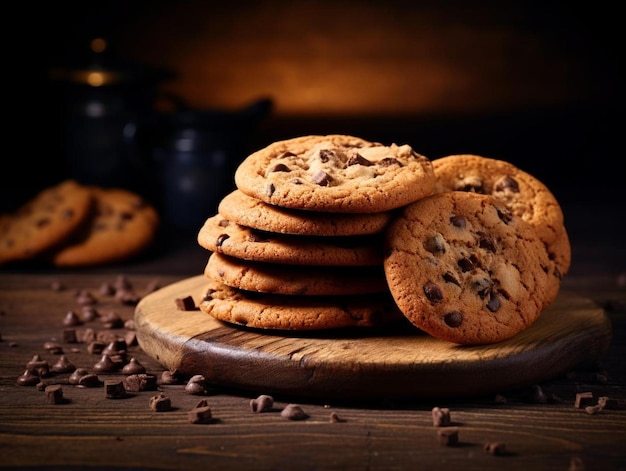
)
(122, 283)
(111, 320)
(106, 289)
(593, 409)
(114, 389)
(440, 416)
(71, 319)
(185, 304)
(448, 436)
(85, 298)
(200, 415)
(133, 367)
(54, 394)
(171, 377)
(69, 336)
(536, 395)
(53, 347)
(127, 297)
(495, 448)
(63, 365)
(28, 378)
(140, 382)
(40, 367)
(293, 412)
(196, 385)
(105, 365)
(77, 374)
(160, 403)
(263, 403)
(89, 381)
(334, 418)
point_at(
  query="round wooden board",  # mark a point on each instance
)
(364, 364)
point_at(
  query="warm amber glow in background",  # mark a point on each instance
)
(359, 58)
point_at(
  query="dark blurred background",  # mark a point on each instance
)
(181, 91)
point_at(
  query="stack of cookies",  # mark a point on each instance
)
(326, 232)
(75, 225)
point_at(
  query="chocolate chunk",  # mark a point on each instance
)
(287, 154)
(389, 161)
(221, 239)
(450, 278)
(440, 416)
(140, 382)
(263, 403)
(114, 389)
(495, 448)
(358, 159)
(433, 292)
(507, 183)
(326, 155)
(504, 215)
(269, 191)
(486, 242)
(280, 168)
(465, 264)
(54, 394)
(453, 319)
(482, 286)
(322, 178)
(200, 415)
(185, 304)
(224, 223)
(293, 412)
(160, 403)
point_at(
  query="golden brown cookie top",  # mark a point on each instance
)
(336, 173)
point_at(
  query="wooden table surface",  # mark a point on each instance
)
(539, 425)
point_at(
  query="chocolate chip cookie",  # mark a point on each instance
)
(254, 213)
(294, 280)
(465, 268)
(122, 225)
(336, 173)
(226, 237)
(297, 313)
(525, 195)
(44, 222)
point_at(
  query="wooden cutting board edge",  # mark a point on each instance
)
(365, 366)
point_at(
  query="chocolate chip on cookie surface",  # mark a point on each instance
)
(336, 173)
(463, 268)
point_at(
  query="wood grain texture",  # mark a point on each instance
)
(399, 362)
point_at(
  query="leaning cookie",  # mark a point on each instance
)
(122, 225)
(463, 268)
(44, 222)
(525, 195)
(294, 280)
(254, 213)
(336, 173)
(218, 234)
(296, 313)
